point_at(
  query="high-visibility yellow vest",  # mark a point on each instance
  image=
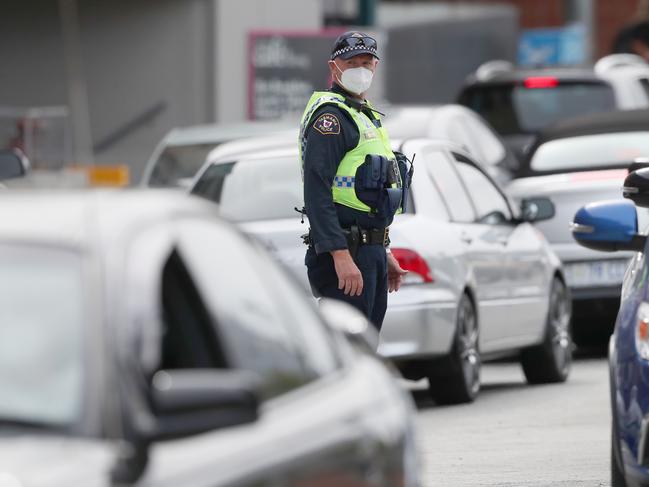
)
(372, 140)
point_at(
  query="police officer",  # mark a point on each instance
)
(352, 185)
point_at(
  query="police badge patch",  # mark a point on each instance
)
(327, 124)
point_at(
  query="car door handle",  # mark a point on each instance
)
(467, 239)
(502, 240)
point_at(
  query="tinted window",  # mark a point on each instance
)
(489, 203)
(590, 152)
(41, 336)
(644, 82)
(251, 309)
(514, 109)
(264, 189)
(178, 162)
(440, 169)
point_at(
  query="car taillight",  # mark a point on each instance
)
(417, 267)
(541, 82)
(642, 331)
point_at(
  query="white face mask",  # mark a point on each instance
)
(356, 80)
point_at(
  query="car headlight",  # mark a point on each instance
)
(642, 331)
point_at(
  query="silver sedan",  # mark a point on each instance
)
(482, 281)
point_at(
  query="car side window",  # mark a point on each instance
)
(188, 338)
(491, 206)
(492, 150)
(253, 322)
(440, 170)
(644, 82)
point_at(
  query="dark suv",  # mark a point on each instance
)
(520, 102)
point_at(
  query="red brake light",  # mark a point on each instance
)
(414, 263)
(541, 82)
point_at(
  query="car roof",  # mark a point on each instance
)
(221, 132)
(87, 219)
(516, 75)
(596, 123)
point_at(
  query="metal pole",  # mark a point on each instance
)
(583, 12)
(366, 12)
(76, 82)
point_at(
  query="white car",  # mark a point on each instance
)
(459, 124)
(482, 281)
(183, 150)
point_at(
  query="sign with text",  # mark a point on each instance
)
(284, 69)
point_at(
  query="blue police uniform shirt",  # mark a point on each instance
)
(330, 135)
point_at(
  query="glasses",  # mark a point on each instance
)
(354, 43)
(366, 41)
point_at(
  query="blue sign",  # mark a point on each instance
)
(553, 46)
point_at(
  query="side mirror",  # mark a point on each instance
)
(608, 226)
(13, 164)
(639, 163)
(188, 402)
(193, 401)
(537, 209)
(351, 322)
(636, 187)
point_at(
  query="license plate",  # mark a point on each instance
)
(595, 273)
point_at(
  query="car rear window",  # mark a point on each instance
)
(252, 190)
(590, 152)
(178, 162)
(516, 109)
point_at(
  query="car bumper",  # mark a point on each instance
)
(419, 323)
(572, 254)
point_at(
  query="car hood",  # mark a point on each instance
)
(53, 461)
(568, 192)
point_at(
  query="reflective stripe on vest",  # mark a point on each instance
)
(372, 140)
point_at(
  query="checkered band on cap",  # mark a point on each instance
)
(360, 47)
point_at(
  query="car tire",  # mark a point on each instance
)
(456, 379)
(550, 361)
(617, 474)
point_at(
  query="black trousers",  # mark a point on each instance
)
(372, 262)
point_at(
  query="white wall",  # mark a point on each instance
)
(234, 19)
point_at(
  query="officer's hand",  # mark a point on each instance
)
(395, 274)
(350, 279)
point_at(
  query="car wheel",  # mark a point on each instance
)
(617, 474)
(550, 361)
(457, 379)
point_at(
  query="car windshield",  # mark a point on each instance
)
(264, 189)
(41, 363)
(177, 162)
(590, 152)
(513, 110)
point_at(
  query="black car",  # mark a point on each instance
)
(520, 102)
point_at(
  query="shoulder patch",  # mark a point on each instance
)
(327, 124)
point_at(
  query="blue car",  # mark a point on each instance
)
(613, 226)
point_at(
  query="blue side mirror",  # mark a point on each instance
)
(608, 226)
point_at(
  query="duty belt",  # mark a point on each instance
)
(372, 236)
(359, 236)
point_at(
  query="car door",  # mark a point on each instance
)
(523, 259)
(481, 247)
(312, 428)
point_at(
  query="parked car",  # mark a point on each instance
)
(482, 282)
(13, 164)
(612, 226)
(572, 163)
(183, 150)
(520, 102)
(138, 325)
(456, 123)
